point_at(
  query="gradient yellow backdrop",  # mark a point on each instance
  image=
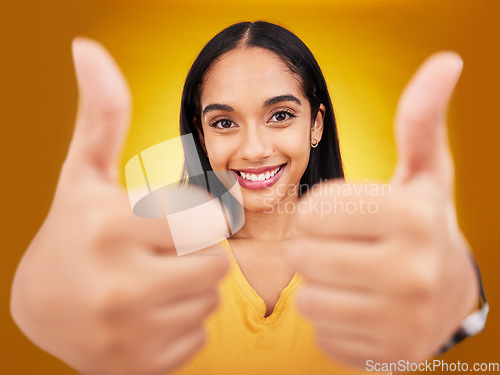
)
(367, 50)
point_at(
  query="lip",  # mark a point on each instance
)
(256, 185)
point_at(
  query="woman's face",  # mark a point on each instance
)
(257, 125)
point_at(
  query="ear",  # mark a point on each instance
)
(317, 125)
(200, 134)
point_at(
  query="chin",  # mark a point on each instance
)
(262, 201)
(258, 204)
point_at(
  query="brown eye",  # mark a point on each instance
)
(223, 124)
(281, 116)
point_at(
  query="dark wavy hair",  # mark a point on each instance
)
(324, 161)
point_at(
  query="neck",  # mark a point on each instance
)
(268, 226)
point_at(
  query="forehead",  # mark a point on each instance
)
(249, 75)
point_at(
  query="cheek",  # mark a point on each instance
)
(219, 151)
(295, 143)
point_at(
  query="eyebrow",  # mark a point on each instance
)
(282, 98)
(271, 101)
(217, 107)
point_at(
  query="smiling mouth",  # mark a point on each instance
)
(262, 176)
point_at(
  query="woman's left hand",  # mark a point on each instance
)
(387, 272)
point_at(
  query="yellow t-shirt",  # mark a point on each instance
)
(241, 341)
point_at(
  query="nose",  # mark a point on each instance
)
(255, 145)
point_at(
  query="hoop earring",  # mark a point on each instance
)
(314, 143)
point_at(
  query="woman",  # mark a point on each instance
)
(257, 105)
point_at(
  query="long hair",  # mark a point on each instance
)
(324, 161)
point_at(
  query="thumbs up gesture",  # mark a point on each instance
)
(98, 287)
(391, 280)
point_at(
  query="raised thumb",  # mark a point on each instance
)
(421, 135)
(103, 112)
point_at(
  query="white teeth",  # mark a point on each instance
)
(261, 177)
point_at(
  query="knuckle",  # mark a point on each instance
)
(105, 228)
(417, 278)
(323, 340)
(104, 233)
(218, 267)
(199, 338)
(115, 351)
(211, 302)
(113, 306)
(425, 283)
(308, 304)
(418, 326)
(421, 218)
(301, 255)
(379, 315)
(100, 234)
(338, 350)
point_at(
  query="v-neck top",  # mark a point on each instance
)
(242, 341)
(251, 298)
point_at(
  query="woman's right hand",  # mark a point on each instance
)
(99, 288)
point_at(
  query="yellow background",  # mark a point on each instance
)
(367, 50)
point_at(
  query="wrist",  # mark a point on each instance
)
(475, 321)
